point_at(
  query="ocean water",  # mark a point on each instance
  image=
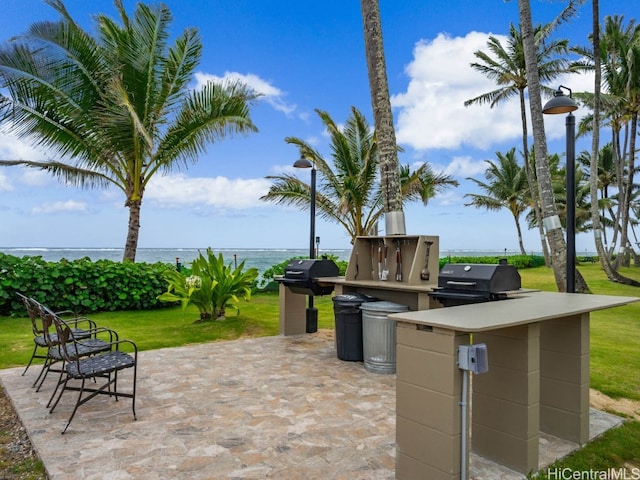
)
(260, 258)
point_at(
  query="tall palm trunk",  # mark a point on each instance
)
(603, 255)
(595, 145)
(623, 258)
(383, 118)
(131, 244)
(550, 218)
(520, 242)
(531, 182)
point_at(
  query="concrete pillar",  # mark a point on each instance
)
(428, 395)
(506, 408)
(564, 378)
(292, 316)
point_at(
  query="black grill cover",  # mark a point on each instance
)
(301, 276)
(486, 278)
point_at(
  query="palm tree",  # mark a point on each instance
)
(506, 187)
(383, 118)
(117, 108)
(506, 66)
(617, 72)
(550, 218)
(350, 193)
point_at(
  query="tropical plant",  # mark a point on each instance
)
(506, 187)
(506, 66)
(618, 59)
(349, 193)
(383, 118)
(211, 286)
(116, 108)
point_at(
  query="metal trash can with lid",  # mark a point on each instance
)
(379, 336)
(348, 318)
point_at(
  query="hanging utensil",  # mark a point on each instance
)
(379, 262)
(424, 274)
(398, 264)
(385, 271)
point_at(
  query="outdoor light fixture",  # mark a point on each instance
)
(312, 313)
(560, 103)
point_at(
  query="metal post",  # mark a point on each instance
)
(312, 313)
(571, 203)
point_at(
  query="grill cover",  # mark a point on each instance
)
(460, 283)
(301, 276)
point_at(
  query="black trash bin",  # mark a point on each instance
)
(348, 318)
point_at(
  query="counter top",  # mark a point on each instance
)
(381, 284)
(521, 309)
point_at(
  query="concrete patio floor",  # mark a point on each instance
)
(274, 407)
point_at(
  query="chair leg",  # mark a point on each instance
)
(43, 374)
(33, 355)
(133, 396)
(58, 383)
(64, 385)
(75, 409)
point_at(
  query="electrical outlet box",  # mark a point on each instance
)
(473, 358)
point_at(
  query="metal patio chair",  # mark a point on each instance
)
(101, 368)
(82, 328)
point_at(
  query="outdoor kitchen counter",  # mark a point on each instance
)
(518, 309)
(538, 380)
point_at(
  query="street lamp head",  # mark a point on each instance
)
(303, 162)
(560, 103)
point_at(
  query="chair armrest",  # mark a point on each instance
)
(76, 322)
(118, 343)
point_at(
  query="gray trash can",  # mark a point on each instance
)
(379, 336)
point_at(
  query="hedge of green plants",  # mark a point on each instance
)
(519, 261)
(81, 285)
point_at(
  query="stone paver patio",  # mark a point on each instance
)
(274, 407)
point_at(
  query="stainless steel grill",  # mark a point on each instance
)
(461, 284)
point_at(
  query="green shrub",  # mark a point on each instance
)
(212, 286)
(518, 261)
(80, 285)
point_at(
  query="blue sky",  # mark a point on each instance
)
(302, 56)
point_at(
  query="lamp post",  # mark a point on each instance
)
(560, 103)
(312, 313)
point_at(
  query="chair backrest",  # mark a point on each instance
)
(64, 340)
(33, 310)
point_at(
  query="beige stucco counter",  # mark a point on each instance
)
(538, 380)
(519, 309)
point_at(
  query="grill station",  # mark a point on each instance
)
(462, 284)
(301, 276)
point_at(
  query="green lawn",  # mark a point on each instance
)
(615, 347)
(615, 333)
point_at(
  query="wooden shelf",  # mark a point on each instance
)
(367, 261)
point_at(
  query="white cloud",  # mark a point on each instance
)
(217, 192)
(465, 167)
(5, 184)
(271, 94)
(55, 207)
(13, 148)
(431, 113)
(35, 178)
